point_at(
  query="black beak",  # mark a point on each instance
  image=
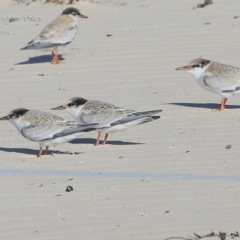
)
(4, 118)
(82, 16)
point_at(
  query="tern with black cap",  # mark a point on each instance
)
(45, 128)
(109, 117)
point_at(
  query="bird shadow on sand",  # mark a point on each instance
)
(205, 105)
(27, 151)
(93, 140)
(40, 59)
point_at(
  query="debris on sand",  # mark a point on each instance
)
(229, 146)
(207, 2)
(234, 235)
(60, 152)
(61, 1)
(27, 2)
(221, 235)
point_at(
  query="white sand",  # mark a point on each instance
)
(141, 175)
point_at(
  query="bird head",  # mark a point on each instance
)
(16, 117)
(196, 67)
(73, 12)
(73, 106)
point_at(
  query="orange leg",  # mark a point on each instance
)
(105, 139)
(55, 56)
(45, 152)
(223, 103)
(39, 152)
(98, 139)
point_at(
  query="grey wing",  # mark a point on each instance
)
(76, 129)
(58, 32)
(102, 113)
(41, 131)
(222, 82)
(137, 115)
(51, 130)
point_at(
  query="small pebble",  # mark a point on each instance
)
(69, 189)
(228, 146)
(206, 2)
(200, 5)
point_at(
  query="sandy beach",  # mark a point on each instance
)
(172, 177)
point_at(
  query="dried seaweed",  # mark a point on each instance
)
(221, 235)
(117, 2)
(27, 2)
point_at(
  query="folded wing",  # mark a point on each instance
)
(50, 130)
(59, 32)
(143, 117)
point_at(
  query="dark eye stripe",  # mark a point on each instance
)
(201, 63)
(72, 104)
(197, 65)
(14, 115)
